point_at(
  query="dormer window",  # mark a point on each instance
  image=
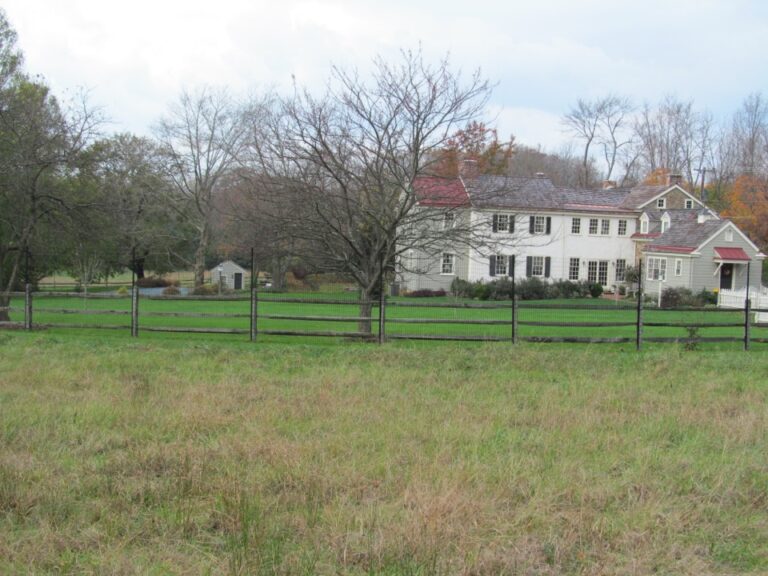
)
(643, 224)
(665, 221)
(661, 203)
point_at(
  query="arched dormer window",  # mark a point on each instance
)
(665, 222)
(644, 224)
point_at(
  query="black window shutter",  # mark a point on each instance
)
(492, 270)
(495, 222)
(528, 266)
(511, 266)
(547, 266)
(530, 224)
(511, 222)
(549, 225)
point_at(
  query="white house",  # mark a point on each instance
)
(527, 227)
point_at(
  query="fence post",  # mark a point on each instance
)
(135, 311)
(514, 319)
(254, 299)
(747, 306)
(639, 335)
(382, 315)
(28, 306)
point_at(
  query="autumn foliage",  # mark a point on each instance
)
(476, 142)
(747, 201)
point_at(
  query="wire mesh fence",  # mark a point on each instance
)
(268, 316)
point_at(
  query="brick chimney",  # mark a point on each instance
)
(608, 184)
(674, 179)
(468, 168)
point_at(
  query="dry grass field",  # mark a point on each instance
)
(170, 457)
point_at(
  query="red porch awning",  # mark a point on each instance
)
(731, 254)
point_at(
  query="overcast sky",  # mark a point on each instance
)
(135, 57)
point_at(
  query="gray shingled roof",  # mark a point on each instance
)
(686, 233)
(639, 195)
(541, 194)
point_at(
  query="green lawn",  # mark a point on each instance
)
(156, 313)
(212, 456)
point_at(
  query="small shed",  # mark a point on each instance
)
(229, 275)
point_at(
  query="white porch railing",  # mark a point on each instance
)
(735, 299)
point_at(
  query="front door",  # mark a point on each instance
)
(726, 277)
(238, 280)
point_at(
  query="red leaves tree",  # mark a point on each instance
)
(747, 201)
(476, 142)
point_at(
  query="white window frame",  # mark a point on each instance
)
(644, 226)
(537, 263)
(575, 225)
(574, 269)
(621, 270)
(661, 203)
(729, 235)
(605, 227)
(678, 266)
(447, 264)
(664, 225)
(449, 220)
(622, 227)
(656, 269)
(596, 222)
(688, 203)
(539, 224)
(501, 265)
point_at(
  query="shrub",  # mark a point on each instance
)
(676, 297)
(595, 289)
(500, 289)
(171, 291)
(206, 290)
(427, 293)
(622, 290)
(706, 297)
(122, 291)
(462, 289)
(152, 282)
(531, 289)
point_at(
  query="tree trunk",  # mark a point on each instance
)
(202, 248)
(366, 308)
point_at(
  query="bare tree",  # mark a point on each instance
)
(201, 139)
(348, 160)
(583, 121)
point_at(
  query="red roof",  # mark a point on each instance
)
(732, 254)
(651, 236)
(676, 249)
(445, 192)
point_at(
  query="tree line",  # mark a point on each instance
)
(321, 179)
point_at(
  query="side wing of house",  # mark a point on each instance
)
(723, 262)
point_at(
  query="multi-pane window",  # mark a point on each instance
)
(537, 266)
(503, 223)
(501, 265)
(605, 227)
(592, 271)
(602, 272)
(597, 271)
(622, 227)
(644, 226)
(688, 204)
(447, 263)
(678, 266)
(575, 225)
(449, 219)
(573, 269)
(621, 270)
(593, 223)
(661, 203)
(539, 225)
(657, 269)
